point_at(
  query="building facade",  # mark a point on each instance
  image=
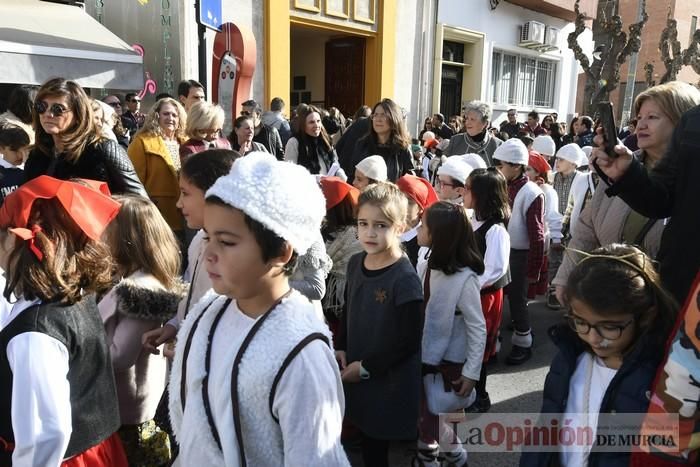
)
(512, 54)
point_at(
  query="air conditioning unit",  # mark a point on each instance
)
(551, 39)
(532, 34)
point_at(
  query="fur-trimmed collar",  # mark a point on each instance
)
(146, 303)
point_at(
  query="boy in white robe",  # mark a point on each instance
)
(254, 379)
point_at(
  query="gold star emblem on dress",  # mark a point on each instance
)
(380, 295)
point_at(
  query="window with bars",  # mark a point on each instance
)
(522, 80)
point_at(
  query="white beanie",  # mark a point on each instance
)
(544, 144)
(428, 135)
(512, 150)
(571, 152)
(456, 168)
(475, 160)
(586, 155)
(373, 167)
(282, 196)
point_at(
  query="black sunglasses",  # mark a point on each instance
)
(56, 109)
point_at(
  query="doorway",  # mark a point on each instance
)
(327, 68)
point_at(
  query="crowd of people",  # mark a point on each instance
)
(277, 296)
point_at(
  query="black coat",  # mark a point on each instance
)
(399, 161)
(270, 138)
(628, 391)
(105, 161)
(345, 146)
(672, 190)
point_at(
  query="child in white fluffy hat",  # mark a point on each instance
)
(568, 159)
(370, 170)
(527, 241)
(253, 361)
(451, 177)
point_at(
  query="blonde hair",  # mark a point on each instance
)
(203, 116)
(674, 98)
(389, 199)
(151, 124)
(140, 239)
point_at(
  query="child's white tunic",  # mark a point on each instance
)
(308, 400)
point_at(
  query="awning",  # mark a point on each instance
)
(41, 40)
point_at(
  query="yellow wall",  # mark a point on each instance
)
(277, 56)
(379, 54)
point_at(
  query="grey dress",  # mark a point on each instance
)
(386, 405)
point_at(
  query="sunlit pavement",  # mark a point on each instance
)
(512, 389)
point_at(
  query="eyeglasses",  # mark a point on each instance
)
(114, 104)
(379, 116)
(442, 184)
(209, 131)
(608, 331)
(511, 115)
(134, 100)
(55, 109)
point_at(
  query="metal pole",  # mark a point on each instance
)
(631, 76)
(202, 49)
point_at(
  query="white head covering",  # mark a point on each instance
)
(283, 197)
(373, 167)
(573, 153)
(544, 144)
(475, 160)
(587, 154)
(457, 168)
(428, 135)
(512, 150)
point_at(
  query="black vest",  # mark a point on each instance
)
(93, 396)
(480, 234)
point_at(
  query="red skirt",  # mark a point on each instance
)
(109, 453)
(492, 306)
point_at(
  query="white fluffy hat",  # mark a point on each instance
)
(373, 167)
(512, 150)
(573, 153)
(282, 196)
(475, 160)
(457, 168)
(586, 153)
(428, 135)
(544, 144)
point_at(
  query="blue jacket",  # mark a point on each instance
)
(628, 392)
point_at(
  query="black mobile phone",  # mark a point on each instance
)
(606, 119)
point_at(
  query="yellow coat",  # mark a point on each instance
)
(156, 171)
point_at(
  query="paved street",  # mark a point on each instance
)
(512, 389)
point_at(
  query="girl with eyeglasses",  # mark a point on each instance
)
(70, 144)
(609, 349)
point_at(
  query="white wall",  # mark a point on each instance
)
(500, 28)
(415, 32)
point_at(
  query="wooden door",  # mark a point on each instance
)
(345, 74)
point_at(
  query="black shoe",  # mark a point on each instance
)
(552, 302)
(482, 404)
(518, 355)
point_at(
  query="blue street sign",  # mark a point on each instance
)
(210, 14)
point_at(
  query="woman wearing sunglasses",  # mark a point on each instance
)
(69, 143)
